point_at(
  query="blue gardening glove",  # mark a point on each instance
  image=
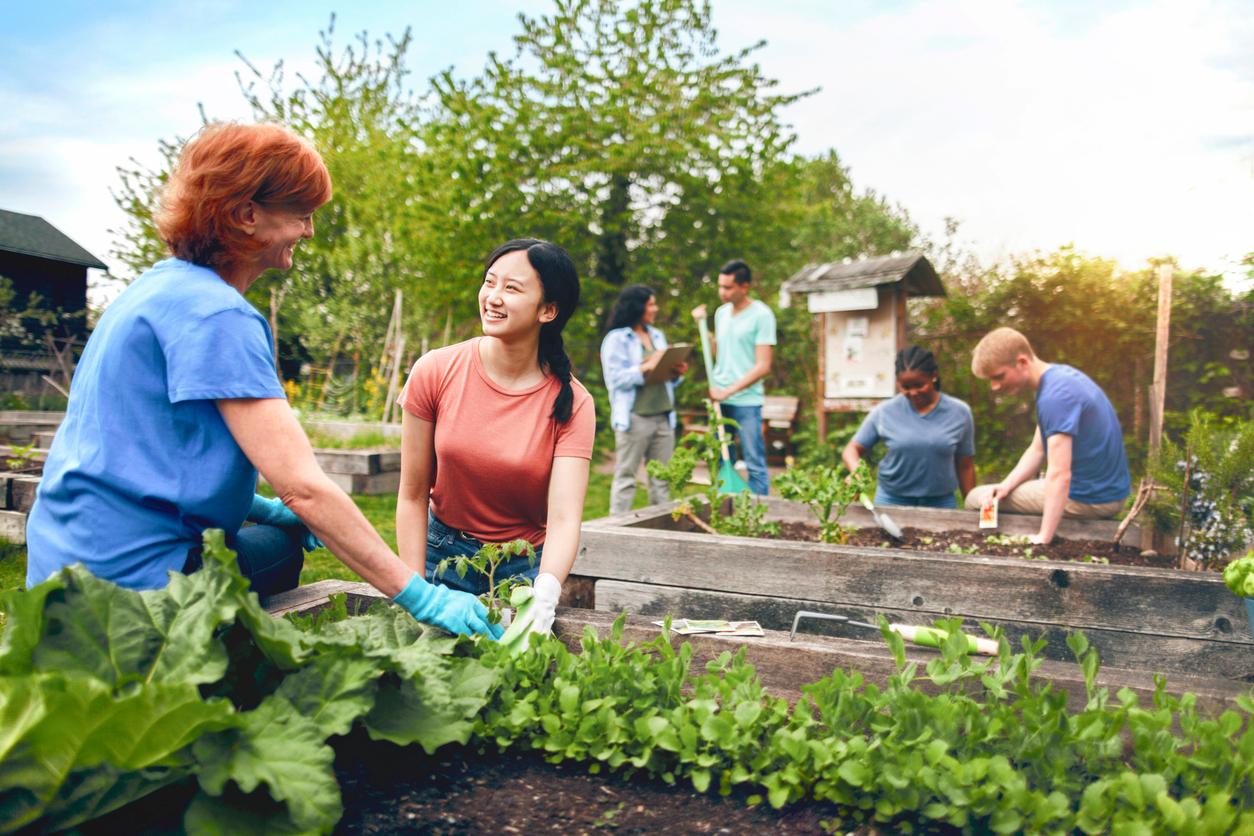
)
(455, 611)
(274, 512)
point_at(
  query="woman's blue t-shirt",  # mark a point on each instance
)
(143, 462)
(921, 448)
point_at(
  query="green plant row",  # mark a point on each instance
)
(108, 694)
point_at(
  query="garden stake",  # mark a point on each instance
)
(729, 481)
(925, 636)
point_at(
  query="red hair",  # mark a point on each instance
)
(220, 170)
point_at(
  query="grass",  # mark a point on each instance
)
(321, 564)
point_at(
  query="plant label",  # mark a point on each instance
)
(988, 513)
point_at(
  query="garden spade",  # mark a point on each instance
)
(881, 519)
(729, 481)
(925, 636)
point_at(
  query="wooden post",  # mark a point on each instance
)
(820, 392)
(1159, 390)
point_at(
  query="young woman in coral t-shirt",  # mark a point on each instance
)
(497, 435)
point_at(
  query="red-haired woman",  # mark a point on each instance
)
(176, 404)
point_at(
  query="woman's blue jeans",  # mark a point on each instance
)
(944, 500)
(270, 557)
(446, 542)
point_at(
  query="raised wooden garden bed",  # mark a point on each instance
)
(1140, 619)
(20, 426)
(373, 471)
(785, 665)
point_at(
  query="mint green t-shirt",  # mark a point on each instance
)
(736, 340)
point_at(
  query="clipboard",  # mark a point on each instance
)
(673, 356)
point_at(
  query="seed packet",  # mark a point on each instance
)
(988, 513)
(688, 627)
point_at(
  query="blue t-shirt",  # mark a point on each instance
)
(1068, 401)
(921, 448)
(143, 462)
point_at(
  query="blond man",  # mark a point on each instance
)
(1077, 438)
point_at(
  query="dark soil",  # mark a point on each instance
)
(389, 789)
(392, 790)
(986, 542)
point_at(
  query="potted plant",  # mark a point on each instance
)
(1239, 577)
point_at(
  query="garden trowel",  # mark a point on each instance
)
(881, 519)
(924, 636)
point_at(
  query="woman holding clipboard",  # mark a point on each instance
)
(642, 393)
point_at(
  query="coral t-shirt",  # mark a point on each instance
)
(494, 447)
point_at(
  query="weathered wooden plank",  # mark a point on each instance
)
(28, 417)
(373, 485)
(365, 462)
(43, 439)
(1118, 648)
(313, 596)
(929, 519)
(785, 666)
(21, 489)
(1072, 595)
(13, 527)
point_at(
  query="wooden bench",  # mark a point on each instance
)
(779, 420)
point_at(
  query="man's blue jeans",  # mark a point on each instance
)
(445, 542)
(752, 445)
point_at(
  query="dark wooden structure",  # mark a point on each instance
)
(860, 323)
(1150, 620)
(40, 259)
(42, 263)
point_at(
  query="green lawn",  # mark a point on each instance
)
(321, 564)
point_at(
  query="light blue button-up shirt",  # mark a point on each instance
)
(621, 356)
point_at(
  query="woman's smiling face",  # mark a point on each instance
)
(279, 231)
(511, 298)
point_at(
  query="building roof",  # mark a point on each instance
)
(32, 235)
(916, 271)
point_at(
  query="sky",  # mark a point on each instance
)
(1123, 128)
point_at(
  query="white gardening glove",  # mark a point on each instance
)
(539, 616)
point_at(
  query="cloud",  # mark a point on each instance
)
(1032, 128)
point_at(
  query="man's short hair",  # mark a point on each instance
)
(999, 348)
(738, 270)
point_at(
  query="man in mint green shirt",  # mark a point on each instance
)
(744, 332)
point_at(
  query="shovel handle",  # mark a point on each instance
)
(931, 637)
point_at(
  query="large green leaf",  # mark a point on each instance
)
(433, 708)
(333, 691)
(73, 724)
(23, 625)
(277, 747)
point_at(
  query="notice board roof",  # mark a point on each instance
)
(911, 268)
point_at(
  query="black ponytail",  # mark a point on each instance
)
(917, 358)
(561, 289)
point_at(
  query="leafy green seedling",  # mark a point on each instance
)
(486, 561)
(828, 491)
(746, 519)
(21, 456)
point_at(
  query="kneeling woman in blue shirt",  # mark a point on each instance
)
(176, 405)
(930, 438)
